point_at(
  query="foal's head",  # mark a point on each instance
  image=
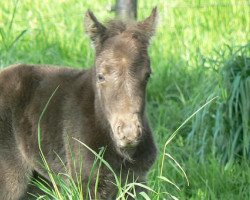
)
(122, 70)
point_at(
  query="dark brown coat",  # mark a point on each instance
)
(103, 107)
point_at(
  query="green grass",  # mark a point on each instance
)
(227, 121)
(191, 36)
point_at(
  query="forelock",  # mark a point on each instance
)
(131, 28)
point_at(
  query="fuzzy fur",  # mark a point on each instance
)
(74, 112)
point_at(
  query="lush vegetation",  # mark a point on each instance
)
(201, 51)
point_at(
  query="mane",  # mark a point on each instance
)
(133, 28)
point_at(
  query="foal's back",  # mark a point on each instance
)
(21, 82)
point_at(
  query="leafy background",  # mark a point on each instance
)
(197, 44)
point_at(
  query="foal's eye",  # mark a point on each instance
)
(100, 78)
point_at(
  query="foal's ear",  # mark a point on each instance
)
(93, 27)
(149, 24)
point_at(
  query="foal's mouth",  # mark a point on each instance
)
(127, 150)
(128, 145)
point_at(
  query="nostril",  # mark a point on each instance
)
(118, 128)
(139, 131)
(120, 133)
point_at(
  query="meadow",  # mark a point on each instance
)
(195, 40)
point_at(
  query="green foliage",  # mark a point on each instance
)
(188, 33)
(224, 128)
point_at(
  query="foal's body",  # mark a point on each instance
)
(71, 113)
(74, 111)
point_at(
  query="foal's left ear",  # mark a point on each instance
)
(149, 24)
(93, 27)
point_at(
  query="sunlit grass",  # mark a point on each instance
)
(188, 33)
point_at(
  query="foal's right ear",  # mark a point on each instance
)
(93, 27)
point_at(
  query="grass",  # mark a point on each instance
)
(191, 36)
(228, 119)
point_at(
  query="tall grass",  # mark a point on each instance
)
(188, 33)
(224, 128)
(65, 187)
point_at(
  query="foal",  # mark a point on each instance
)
(103, 106)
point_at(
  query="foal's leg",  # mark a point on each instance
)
(13, 177)
(14, 171)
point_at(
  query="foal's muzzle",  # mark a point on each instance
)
(127, 133)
